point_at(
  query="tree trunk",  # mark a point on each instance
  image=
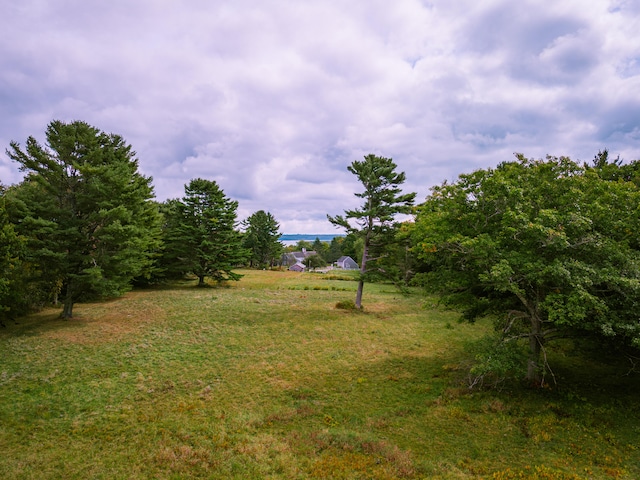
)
(67, 308)
(201, 282)
(359, 293)
(535, 347)
(363, 269)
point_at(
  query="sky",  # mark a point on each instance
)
(273, 99)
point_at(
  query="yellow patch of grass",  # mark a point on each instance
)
(103, 322)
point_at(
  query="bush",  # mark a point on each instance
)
(497, 360)
(346, 305)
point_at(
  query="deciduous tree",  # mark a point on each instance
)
(335, 249)
(321, 248)
(546, 246)
(314, 261)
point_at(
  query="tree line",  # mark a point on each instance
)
(84, 224)
(546, 248)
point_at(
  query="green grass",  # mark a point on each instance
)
(268, 379)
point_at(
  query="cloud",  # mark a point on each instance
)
(274, 99)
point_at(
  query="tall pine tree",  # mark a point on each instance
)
(262, 239)
(86, 211)
(374, 222)
(201, 236)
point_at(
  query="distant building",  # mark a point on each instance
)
(347, 263)
(291, 258)
(297, 267)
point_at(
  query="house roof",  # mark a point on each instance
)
(302, 255)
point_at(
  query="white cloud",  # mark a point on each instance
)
(274, 99)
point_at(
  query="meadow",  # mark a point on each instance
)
(266, 378)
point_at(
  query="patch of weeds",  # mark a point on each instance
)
(303, 393)
(346, 305)
(345, 277)
(345, 455)
(534, 473)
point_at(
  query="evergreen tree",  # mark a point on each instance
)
(334, 251)
(11, 252)
(201, 236)
(374, 221)
(86, 211)
(261, 238)
(321, 248)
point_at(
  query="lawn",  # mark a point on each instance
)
(267, 379)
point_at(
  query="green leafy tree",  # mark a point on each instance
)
(38, 283)
(302, 245)
(314, 261)
(262, 239)
(398, 265)
(351, 246)
(374, 222)
(547, 247)
(200, 233)
(86, 212)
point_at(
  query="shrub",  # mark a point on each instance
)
(346, 305)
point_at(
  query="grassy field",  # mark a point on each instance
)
(267, 379)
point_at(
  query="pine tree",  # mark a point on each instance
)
(201, 236)
(261, 238)
(86, 211)
(11, 252)
(375, 220)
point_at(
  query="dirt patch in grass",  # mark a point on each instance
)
(107, 322)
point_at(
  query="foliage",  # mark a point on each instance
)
(334, 251)
(547, 246)
(495, 361)
(268, 380)
(351, 246)
(615, 170)
(302, 245)
(200, 234)
(374, 222)
(261, 238)
(86, 212)
(11, 255)
(321, 249)
(346, 305)
(314, 261)
(398, 264)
